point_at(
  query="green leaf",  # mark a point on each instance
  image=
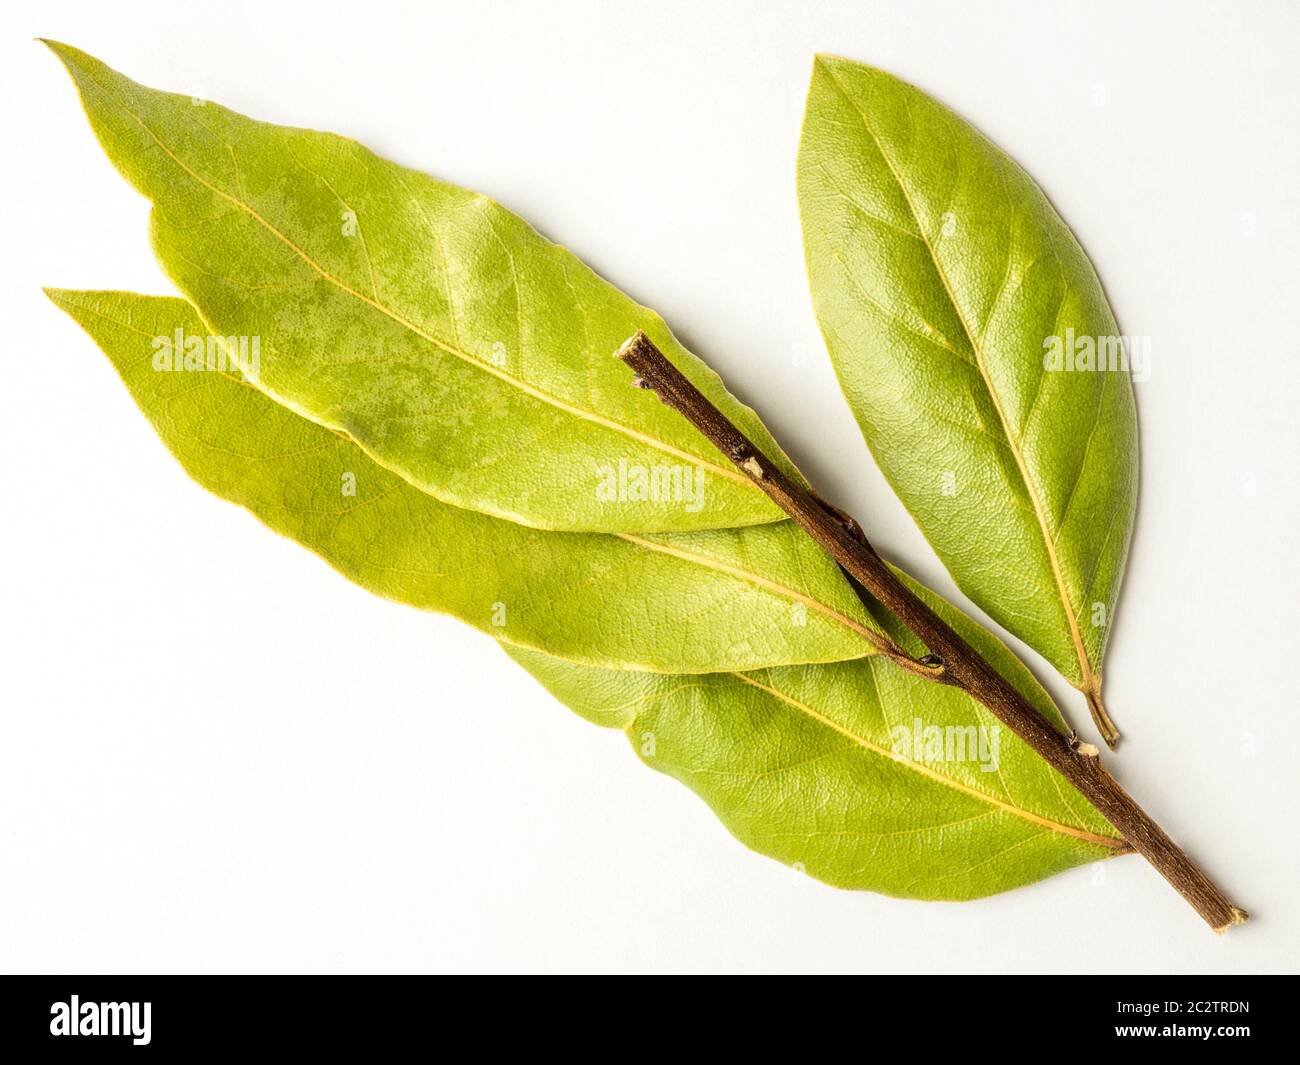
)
(939, 275)
(808, 764)
(437, 329)
(685, 603)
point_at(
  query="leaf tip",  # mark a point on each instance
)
(57, 296)
(824, 64)
(840, 69)
(81, 66)
(63, 51)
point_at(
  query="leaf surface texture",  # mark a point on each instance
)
(806, 764)
(440, 331)
(697, 602)
(938, 271)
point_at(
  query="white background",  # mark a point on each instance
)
(216, 754)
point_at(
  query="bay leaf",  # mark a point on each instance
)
(944, 283)
(682, 603)
(440, 331)
(810, 764)
(857, 773)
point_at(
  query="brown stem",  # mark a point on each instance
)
(958, 663)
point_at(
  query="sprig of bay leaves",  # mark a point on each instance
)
(455, 366)
(799, 761)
